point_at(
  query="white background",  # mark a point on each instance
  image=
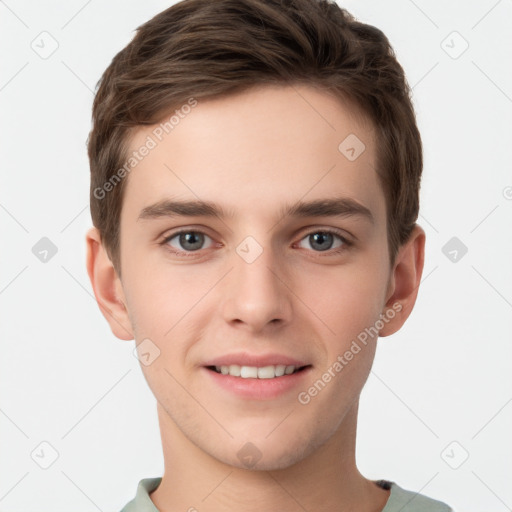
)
(445, 377)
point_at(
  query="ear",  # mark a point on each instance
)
(107, 286)
(404, 282)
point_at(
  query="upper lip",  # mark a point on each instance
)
(246, 359)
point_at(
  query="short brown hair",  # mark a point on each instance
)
(204, 48)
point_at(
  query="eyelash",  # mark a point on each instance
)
(330, 252)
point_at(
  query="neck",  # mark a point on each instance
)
(327, 480)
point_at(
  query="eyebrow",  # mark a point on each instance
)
(332, 207)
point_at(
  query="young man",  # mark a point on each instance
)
(255, 185)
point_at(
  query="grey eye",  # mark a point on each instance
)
(322, 240)
(188, 241)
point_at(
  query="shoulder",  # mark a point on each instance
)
(142, 502)
(409, 501)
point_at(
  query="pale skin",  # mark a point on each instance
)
(253, 154)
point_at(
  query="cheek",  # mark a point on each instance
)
(345, 298)
(167, 307)
(159, 296)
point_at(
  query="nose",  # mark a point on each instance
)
(257, 294)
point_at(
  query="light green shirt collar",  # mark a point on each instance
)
(398, 499)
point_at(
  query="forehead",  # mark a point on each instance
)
(255, 151)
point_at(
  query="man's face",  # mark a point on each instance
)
(255, 287)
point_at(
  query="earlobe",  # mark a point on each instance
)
(404, 282)
(107, 287)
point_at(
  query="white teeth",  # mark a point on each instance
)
(280, 370)
(255, 372)
(235, 370)
(267, 372)
(249, 372)
(289, 369)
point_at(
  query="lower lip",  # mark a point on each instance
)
(258, 389)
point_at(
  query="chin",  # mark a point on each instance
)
(263, 454)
